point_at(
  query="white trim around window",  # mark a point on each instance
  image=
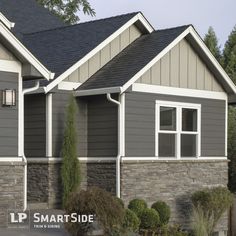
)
(176, 128)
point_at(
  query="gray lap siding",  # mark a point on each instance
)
(35, 125)
(140, 124)
(9, 118)
(60, 101)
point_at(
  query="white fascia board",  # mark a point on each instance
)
(174, 91)
(137, 17)
(66, 85)
(89, 92)
(153, 61)
(212, 58)
(6, 22)
(25, 52)
(174, 159)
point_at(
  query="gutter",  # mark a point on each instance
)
(119, 154)
(25, 91)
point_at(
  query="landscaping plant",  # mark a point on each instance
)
(70, 172)
(107, 210)
(163, 210)
(131, 221)
(213, 203)
(137, 206)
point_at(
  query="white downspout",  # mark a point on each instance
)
(25, 91)
(119, 144)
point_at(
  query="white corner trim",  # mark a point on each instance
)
(6, 22)
(49, 125)
(153, 61)
(10, 66)
(226, 127)
(137, 17)
(25, 52)
(185, 92)
(17, 67)
(80, 93)
(65, 85)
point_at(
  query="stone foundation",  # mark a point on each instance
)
(11, 189)
(44, 180)
(172, 182)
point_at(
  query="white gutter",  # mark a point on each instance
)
(25, 91)
(118, 158)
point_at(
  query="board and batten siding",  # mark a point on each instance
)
(140, 124)
(105, 55)
(35, 125)
(102, 127)
(181, 67)
(9, 117)
(60, 101)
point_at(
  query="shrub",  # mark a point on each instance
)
(70, 172)
(202, 222)
(131, 221)
(213, 202)
(163, 210)
(137, 206)
(120, 201)
(149, 219)
(108, 211)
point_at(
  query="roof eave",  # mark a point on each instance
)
(100, 91)
(26, 54)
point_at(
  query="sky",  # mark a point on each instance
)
(221, 15)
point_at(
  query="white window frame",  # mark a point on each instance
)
(179, 106)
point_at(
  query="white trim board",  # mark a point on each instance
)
(173, 159)
(6, 22)
(65, 85)
(174, 91)
(190, 30)
(4, 31)
(10, 66)
(138, 17)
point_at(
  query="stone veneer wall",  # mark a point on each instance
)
(11, 188)
(172, 182)
(44, 180)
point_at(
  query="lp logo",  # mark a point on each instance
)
(18, 217)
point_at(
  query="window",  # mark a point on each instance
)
(177, 130)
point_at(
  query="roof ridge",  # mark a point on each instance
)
(91, 21)
(176, 27)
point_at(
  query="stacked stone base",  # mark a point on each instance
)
(173, 182)
(170, 181)
(11, 189)
(44, 180)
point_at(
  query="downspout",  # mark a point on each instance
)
(118, 158)
(25, 91)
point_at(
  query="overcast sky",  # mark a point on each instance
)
(170, 13)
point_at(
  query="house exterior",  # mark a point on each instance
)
(152, 108)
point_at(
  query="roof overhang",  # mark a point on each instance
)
(90, 92)
(191, 35)
(18, 47)
(6, 22)
(137, 19)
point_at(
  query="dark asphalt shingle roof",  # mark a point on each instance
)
(132, 59)
(60, 48)
(28, 16)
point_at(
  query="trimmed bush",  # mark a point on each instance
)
(120, 201)
(213, 202)
(163, 210)
(137, 206)
(131, 221)
(149, 219)
(95, 201)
